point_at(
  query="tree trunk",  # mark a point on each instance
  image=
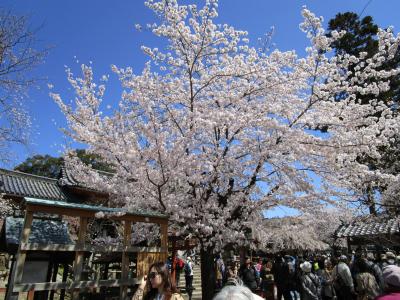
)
(371, 201)
(207, 273)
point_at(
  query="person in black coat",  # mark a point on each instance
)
(248, 274)
(280, 270)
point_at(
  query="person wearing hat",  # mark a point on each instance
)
(390, 258)
(342, 280)
(391, 277)
(310, 283)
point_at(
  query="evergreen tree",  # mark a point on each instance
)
(49, 166)
(362, 36)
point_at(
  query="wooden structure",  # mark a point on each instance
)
(177, 243)
(40, 265)
(377, 232)
(146, 255)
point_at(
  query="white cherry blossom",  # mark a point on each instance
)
(214, 132)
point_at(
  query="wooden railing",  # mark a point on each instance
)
(146, 255)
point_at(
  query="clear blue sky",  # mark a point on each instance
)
(103, 32)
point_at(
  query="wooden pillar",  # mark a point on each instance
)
(26, 230)
(125, 259)
(64, 279)
(54, 279)
(18, 267)
(31, 295)
(79, 255)
(164, 237)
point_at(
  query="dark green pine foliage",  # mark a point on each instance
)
(361, 36)
(42, 165)
(49, 166)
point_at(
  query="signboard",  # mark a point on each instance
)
(35, 271)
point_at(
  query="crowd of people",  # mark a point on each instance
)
(362, 276)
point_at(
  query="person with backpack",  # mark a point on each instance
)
(342, 280)
(188, 268)
(179, 263)
(376, 270)
(310, 283)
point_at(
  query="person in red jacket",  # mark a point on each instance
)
(391, 277)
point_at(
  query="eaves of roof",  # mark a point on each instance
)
(369, 228)
(14, 183)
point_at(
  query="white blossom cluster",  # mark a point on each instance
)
(6, 207)
(310, 231)
(215, 132)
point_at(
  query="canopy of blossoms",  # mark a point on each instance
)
(215, 132)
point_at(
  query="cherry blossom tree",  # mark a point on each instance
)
(17, 58)
(215, 132)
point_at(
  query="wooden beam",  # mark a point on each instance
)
(50, 286)
(26, 230)
(81, 212)
(125, 258)
(102, 283)
(79, 255)
(40, 286)
(88, 248)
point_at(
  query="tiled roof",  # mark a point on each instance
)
(367, 228)
(15, 183)
(42, 232)
(67, 179)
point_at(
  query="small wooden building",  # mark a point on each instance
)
(44, 202)
(40, 265)
(377, 232)
(145, 255)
